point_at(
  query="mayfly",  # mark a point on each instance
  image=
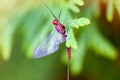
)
(52, 42)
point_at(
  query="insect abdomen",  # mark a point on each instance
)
(69, 53)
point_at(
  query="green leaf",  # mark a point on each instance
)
(110, 11)
(73, 7)
(79, 55)
(79, 22)
(78, 2)
(101, 45)
(6, 43)
(70, 40)
(117, 5)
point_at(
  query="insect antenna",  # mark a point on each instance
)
(59, 15)
(50, 10)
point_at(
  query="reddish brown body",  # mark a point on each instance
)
(61, 29)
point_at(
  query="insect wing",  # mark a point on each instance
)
(50, 45)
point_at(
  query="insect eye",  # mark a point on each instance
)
(55, 21)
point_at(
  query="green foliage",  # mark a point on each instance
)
(101, 46)
(117, 5)
(79, 22)
(72, 6)
(30, 23)
(76, 23)
(110, 8)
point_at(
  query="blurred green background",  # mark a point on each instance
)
(94, 35)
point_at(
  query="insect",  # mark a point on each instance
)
(56, 37)
(52, 42)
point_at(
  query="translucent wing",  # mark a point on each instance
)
(50, 45)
